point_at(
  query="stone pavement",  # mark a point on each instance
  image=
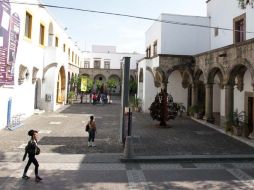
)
(60, 171)
(67, 163)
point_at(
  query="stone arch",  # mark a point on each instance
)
(100, 77)
(61, 85)
(85, 75)
(49, 67)
(117, 89)
(23, 72)
(198, 73)
(187, 78)
(212, 74)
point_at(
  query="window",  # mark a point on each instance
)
(64, 47)
(28, 27)
(97, 64)
(148, 52)
(155, 48)
(69, 54)
(216, 31)
(86, 64)
(56, 42)
(72, 57)
(107, 65)
(42, 34)
(240, 28)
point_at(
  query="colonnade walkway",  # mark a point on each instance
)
(66, 162)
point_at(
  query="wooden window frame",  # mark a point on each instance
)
(235, 33)
(28, 25)
(42, 35)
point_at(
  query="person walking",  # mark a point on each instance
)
(32, 149)
(91, 131)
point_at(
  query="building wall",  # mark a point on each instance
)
(239, 96)
(32, 55)
(222, 14)
(116, 59)
(184, 40)
(178, 39)
(179, 94)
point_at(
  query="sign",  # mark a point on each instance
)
(9, 37)
(83, 84)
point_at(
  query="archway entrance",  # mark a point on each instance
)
(61, 84)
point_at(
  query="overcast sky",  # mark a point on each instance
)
(127, 34)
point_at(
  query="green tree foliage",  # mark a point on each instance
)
(133, 87)
(90, 83)
(111, 83)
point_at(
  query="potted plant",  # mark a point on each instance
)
(180, 108)
(238, 124)
(70, 97)
(197, 111)
(138, 104)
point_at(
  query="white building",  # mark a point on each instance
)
(34, 60)
(104, 63)
(211, 67)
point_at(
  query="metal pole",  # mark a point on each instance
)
(125, 95)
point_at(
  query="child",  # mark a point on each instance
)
(32, 149)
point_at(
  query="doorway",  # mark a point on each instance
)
(250, 114)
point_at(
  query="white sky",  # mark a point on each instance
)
(127, 34)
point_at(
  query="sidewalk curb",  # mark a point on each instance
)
(190, 158)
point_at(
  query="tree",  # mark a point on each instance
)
(111, 83)
(244, 3)
(163, 108)
(89, 85)
(98, 84)
(133, 87)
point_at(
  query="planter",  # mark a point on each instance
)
(238, 130)
(246, 131)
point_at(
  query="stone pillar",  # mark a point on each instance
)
(229, 102)
(194, 94)
(209, 103)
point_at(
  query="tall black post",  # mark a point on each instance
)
(125, 96)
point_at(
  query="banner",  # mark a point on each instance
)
(9, 37)
(83, 84)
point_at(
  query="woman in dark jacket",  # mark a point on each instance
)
(32, 149)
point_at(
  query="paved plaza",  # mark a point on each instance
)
(67, 163)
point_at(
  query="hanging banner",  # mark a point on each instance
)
(9, 37)
(83, 84)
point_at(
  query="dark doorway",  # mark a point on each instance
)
(250, 114)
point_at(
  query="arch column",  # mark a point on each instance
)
(209, 102)
(229, 102)
(194, 94)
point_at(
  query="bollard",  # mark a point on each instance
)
(128, 151)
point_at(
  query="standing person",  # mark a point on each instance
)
(32, 149)
(91, 131)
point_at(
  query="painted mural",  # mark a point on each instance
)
(9, 38)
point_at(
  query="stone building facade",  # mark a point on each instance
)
(219, 79)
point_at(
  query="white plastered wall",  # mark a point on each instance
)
(149, 90)
(239, 96)
(179, 94)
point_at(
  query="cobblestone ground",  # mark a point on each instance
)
(67, 163)
(64, 131)
(183, 137)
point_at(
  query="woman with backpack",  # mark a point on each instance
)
(91, 129)
(32, 149)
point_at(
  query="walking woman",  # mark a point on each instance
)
(32, 149)
(91, 131)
